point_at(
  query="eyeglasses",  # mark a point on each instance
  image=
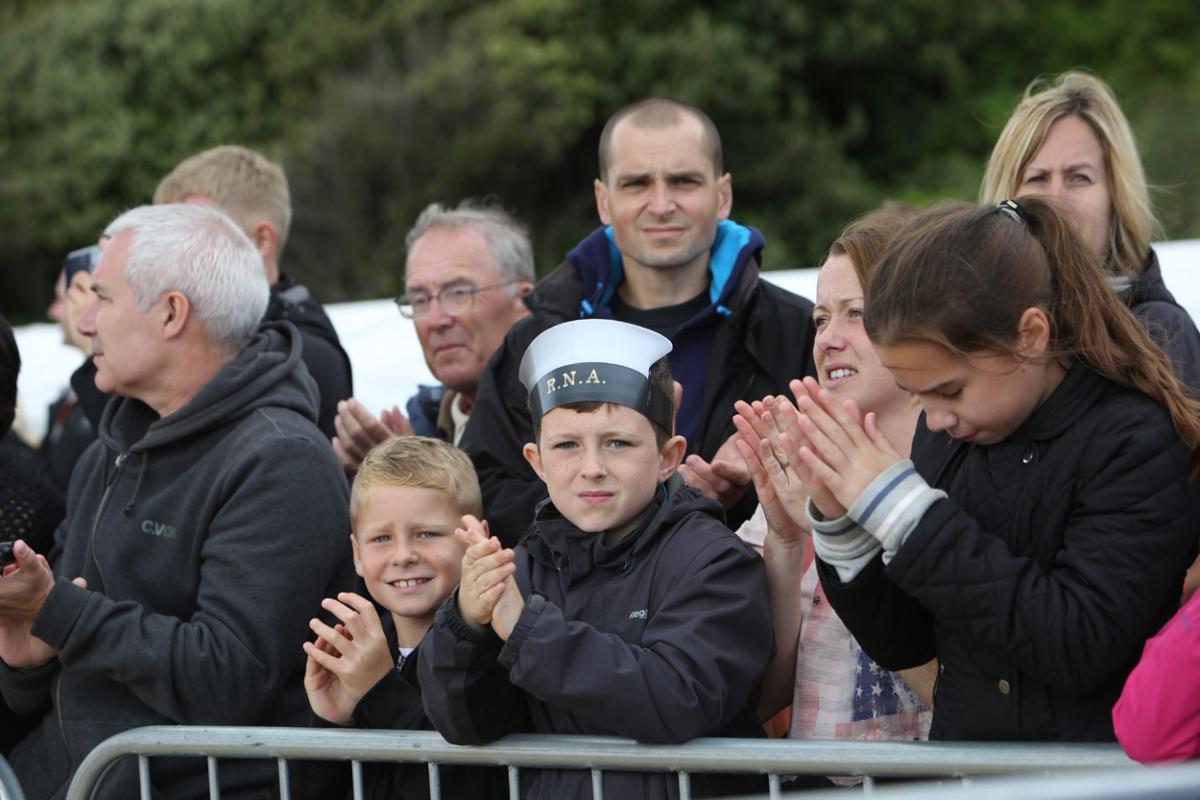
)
(454, 300)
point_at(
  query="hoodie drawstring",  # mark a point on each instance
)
(137, 488)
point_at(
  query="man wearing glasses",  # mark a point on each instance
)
(468, 269)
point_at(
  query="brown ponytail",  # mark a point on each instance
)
(960, 276)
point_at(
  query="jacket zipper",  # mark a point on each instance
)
(62, 728)
(120, 462)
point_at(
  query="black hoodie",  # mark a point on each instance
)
(663, 637)
(208, 539)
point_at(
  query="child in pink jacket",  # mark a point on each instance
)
(1157, 717)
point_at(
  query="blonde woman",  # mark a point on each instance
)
(1068, 139)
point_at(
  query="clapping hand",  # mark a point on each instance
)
(358, 430)
(488, 593)
(781, 489)
(845, 451)
(346, 660)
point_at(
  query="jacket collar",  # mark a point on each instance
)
(556, 543)
(1150, 287)
(584, 284)
(1079, 390)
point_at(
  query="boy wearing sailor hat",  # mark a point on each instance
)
(627, 609)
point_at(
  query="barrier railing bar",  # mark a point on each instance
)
(214, 784)
(514, 784)
(685, 785)
(756, 756)
(597, 784)
(880, 759)
(144, 777)
(356, 779)
(435, 782)
(10, 789)
(285, 783)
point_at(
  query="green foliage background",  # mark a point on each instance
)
(826, 109)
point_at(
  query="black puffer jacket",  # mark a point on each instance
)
(662, 638)
(1057, 553)
(1168, 322)
(747, 344)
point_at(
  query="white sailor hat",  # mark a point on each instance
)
(599, 360)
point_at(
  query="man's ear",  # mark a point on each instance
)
(725, 201)
(670, 457)
(1033, 333)
(266, 241)
(177, 309)
(602, 201)
(534, 457)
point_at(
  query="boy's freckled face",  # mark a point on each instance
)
(601, 467)
(405, 550)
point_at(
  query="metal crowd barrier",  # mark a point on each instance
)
(9, 788)
(775, 759)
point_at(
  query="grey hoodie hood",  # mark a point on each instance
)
(268, 371)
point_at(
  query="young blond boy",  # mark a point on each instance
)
(627, 609)
(409, 496)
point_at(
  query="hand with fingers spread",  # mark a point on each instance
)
(346, 660)
(487, 569)
(724, 479)
(786, 438)
(322, 686)
(846, 451)
(757, 424)
(781, 490)
(358, 430)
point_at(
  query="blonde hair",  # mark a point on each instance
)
(243, 183)
(419, 461)
(1078, 94)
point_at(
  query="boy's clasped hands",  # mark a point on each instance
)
(488, 593)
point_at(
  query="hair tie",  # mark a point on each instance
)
(1013, 209)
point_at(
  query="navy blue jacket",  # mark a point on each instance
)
(662, 637)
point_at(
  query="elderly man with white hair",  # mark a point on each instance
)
(202, 529)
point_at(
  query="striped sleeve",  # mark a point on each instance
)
(892, 505)
(841, 543)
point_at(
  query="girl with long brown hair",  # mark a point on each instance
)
(1041, 531)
